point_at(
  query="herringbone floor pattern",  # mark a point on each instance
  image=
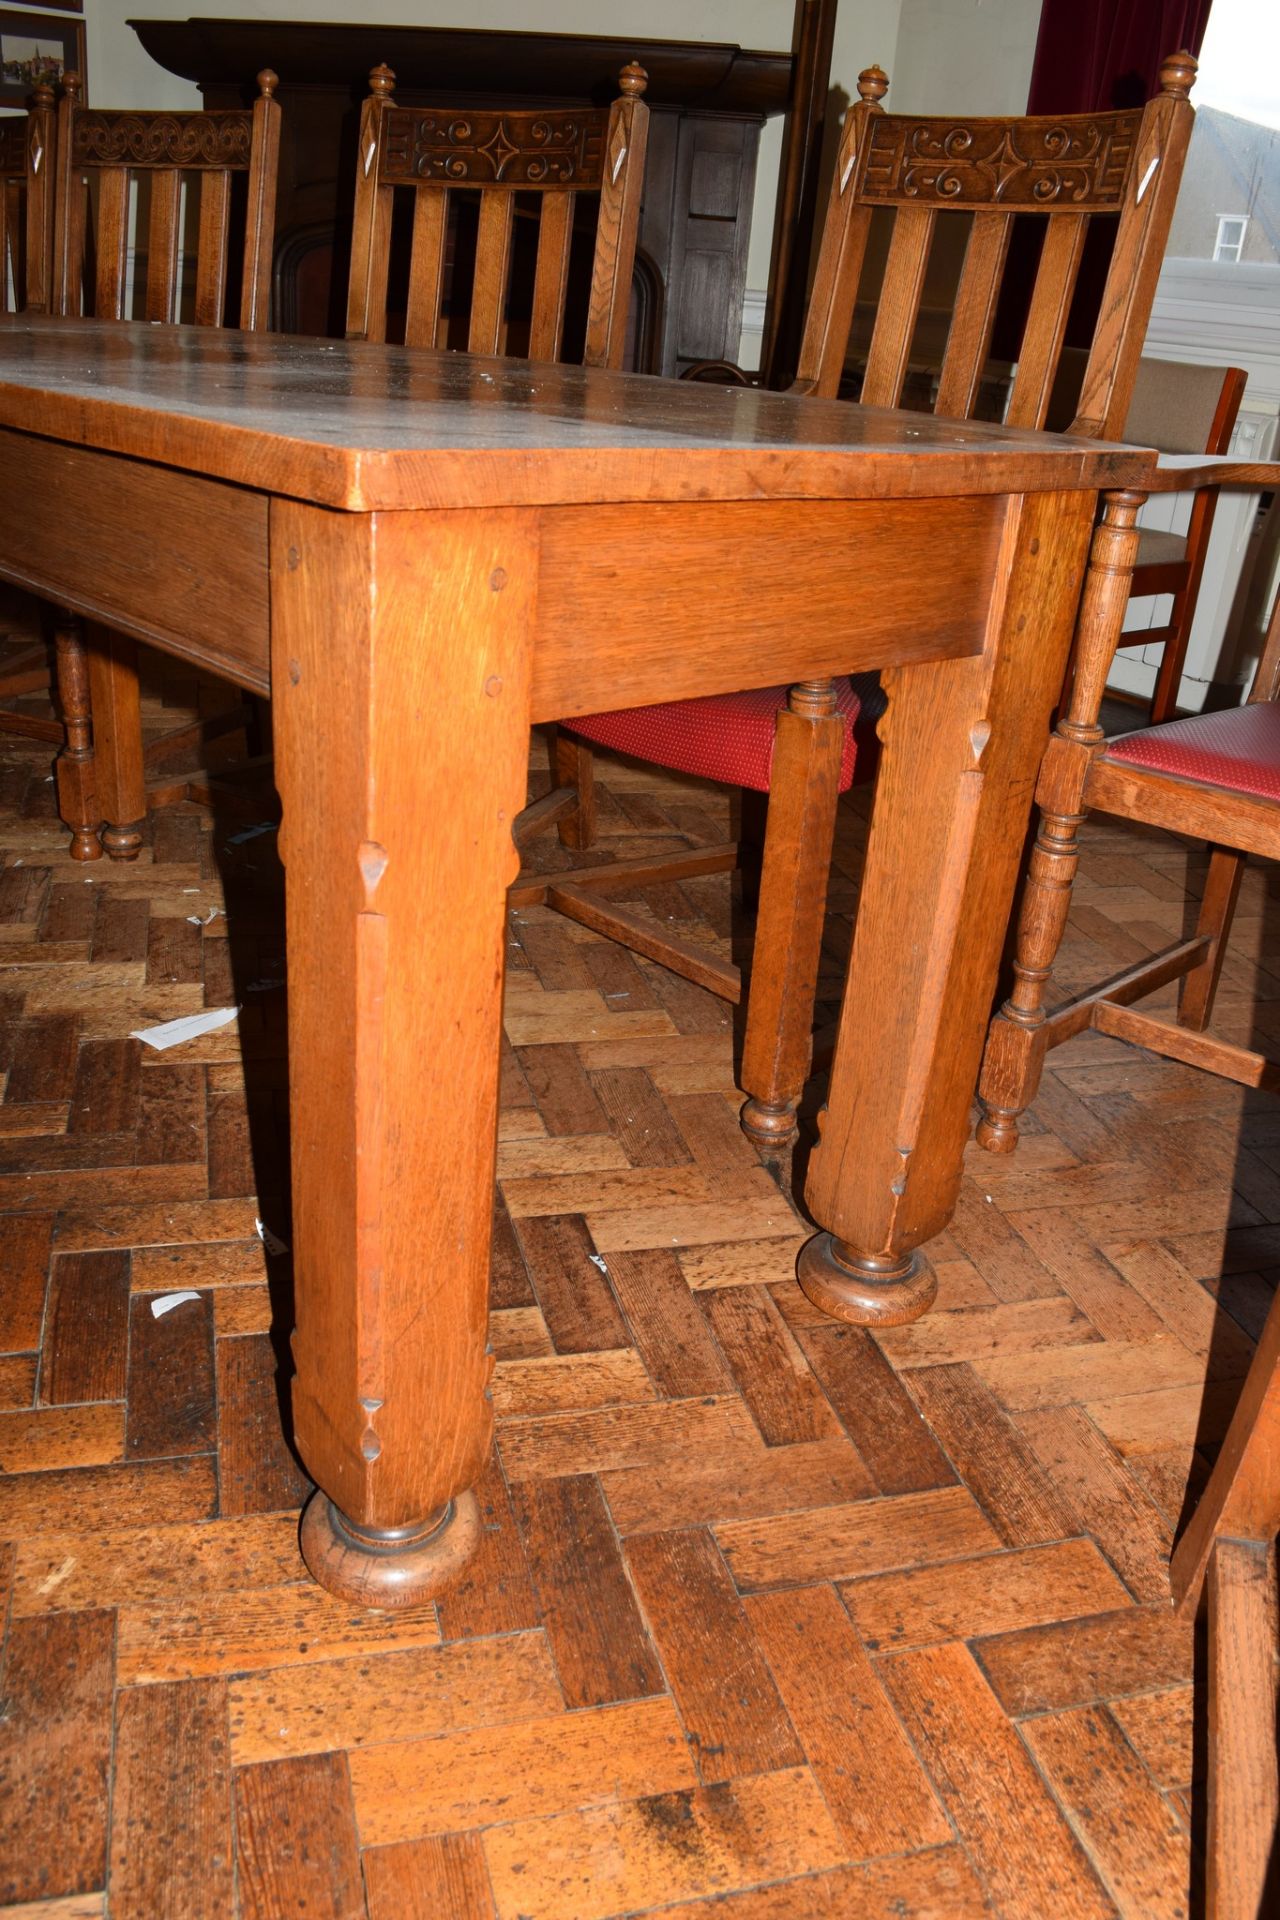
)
(773, 1619)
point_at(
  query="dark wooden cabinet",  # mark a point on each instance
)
(708, 104)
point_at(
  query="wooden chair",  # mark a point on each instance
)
(26, 266)
(438, 157)
(113, 168)
(1215, 776)
(1178, 407)
(1228, 1553)
(799, 746)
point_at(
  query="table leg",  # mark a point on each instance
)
(400, 653)
(962, 744)
(117, 740)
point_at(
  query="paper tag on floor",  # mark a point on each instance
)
(172, 1033)
(166, 1302)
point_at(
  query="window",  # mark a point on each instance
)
(1230, 241)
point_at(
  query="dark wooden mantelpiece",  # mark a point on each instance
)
(708, 103)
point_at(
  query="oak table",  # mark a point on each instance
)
(419, 554)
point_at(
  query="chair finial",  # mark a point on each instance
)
(42, 94)
(71, 85)
(267, 83)
(633, 79)
(382, 82)
(873, 83)
(1178, 74)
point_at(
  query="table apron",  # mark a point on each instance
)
(173, 559)
(635, 602)
(668, 601)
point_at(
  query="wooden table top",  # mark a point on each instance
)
(369, 427)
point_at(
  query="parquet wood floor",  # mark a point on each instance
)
(773, 1620)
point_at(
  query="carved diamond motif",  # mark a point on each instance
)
(501, 149)
(617, 152)
(1006, 163)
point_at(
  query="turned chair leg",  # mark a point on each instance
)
(803, 795)
(1197, 988)
(1014, 1057)
(117, 736)
(74, 768)
(573, 765)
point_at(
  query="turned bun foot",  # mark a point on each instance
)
(771, 1128)
(85, 844)
(865, 1290)
(388, 1566)
(998, 1130)
(123, 843)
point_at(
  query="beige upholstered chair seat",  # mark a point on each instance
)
(1156, 549)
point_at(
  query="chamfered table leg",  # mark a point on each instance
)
(400, 657)
(117, 741)
(962, 744)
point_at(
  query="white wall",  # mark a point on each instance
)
(1224, 316)
(964, 56)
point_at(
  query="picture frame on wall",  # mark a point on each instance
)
(36, 47)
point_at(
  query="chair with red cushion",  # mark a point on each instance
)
(972, 178)
(799, 746)
(1214, 777)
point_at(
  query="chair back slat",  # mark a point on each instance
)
(213, 247)
(1046, 327)
(426, 268)
(551, 276)
(162, 244)
(14, 281)
(169, 152)
(10, 268)
(111, 254)
(974, 317)
(493, 263)
(1062, 171)
(507, 158)
(899, 307)
(13, 194)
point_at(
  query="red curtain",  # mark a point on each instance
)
(1092, 55)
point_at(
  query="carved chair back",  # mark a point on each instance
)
(515, 160)
(26, 206)
(1066, 171)
(106, 159)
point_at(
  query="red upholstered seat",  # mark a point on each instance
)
(1238, 749)
(723, 736)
